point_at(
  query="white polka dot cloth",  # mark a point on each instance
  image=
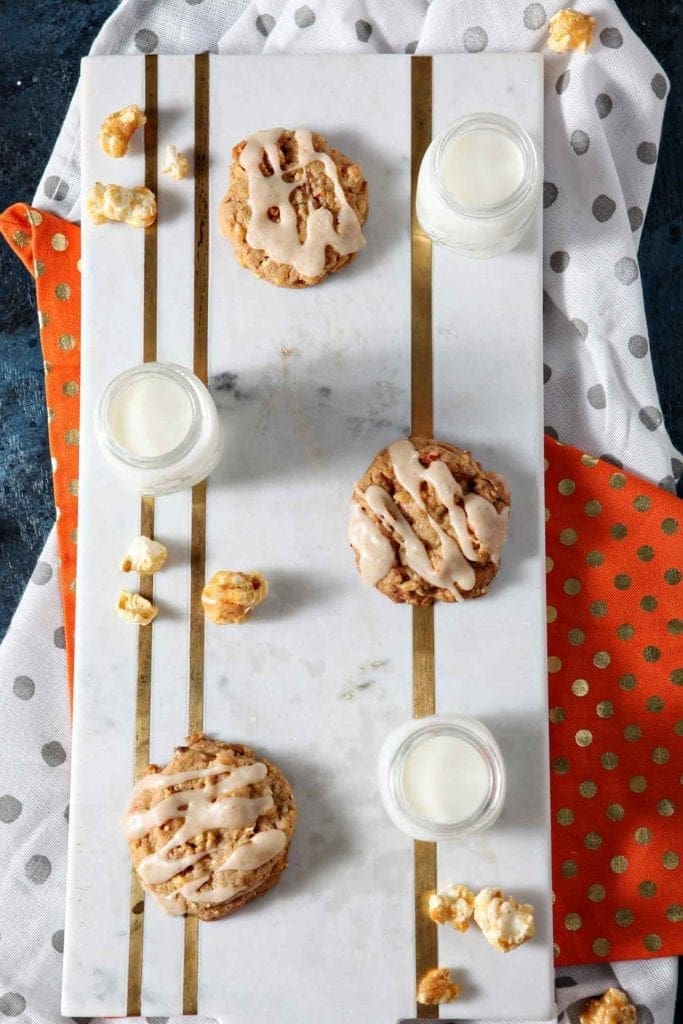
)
(603, 119)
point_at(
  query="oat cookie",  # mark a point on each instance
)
(294, 207)
(428, 523)
(210, 831)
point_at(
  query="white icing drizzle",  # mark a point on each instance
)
(472, 519)
(172, 902)
(202, 809)
(261, 848)
(479, 519)
(375, 551)
(280, 240)
(161, 781)
(208, 807)
(487, 524)
(453, 568)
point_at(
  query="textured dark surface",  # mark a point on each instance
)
(41, 42)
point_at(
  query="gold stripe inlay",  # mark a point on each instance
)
(190, 965)
(422, 415)
(144, 659)
(198, 515)
(421, 256)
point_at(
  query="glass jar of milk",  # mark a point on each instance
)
(479, 185)
(158, 426)
(442, 777)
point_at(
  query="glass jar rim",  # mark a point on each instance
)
(395, 751)
(496, 122)
(182, 376)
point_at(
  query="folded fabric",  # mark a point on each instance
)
(614, 557)
(614, 548)
(50, 249)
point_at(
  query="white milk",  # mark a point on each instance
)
(151, 416)
(441, 777)
(482, 167)
(158, 427)
(479, 186)
(444, 779)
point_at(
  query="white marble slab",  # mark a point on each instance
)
(309, 385)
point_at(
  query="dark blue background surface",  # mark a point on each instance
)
(41, 42)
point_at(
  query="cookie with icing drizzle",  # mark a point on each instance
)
(294, 207)
(210, 831)
(428, 523)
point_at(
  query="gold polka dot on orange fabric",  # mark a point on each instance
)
(50, 249)
(614, 543)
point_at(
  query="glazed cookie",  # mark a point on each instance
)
(294, 208)
(211, 830)
(428, 523)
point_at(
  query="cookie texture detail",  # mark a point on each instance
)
(428, 523)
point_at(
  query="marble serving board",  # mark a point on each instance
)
(309, 385)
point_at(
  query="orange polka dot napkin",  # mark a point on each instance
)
(615, 670)
(615, 649)
(50, 249)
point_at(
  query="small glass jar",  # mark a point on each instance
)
(484, 218)
(158, 426)
(401, 761)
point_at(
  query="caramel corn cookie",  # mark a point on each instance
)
(428, 523)
(210, 831)
(294, 207)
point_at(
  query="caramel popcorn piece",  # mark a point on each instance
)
(144, 555)
(454, 906)
(612, 1007)
(570, 30)
(118, 128)
(135, 206)
(436, 987)
(176, 164)
(505, 923)
(135, 608)
(230, 596)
